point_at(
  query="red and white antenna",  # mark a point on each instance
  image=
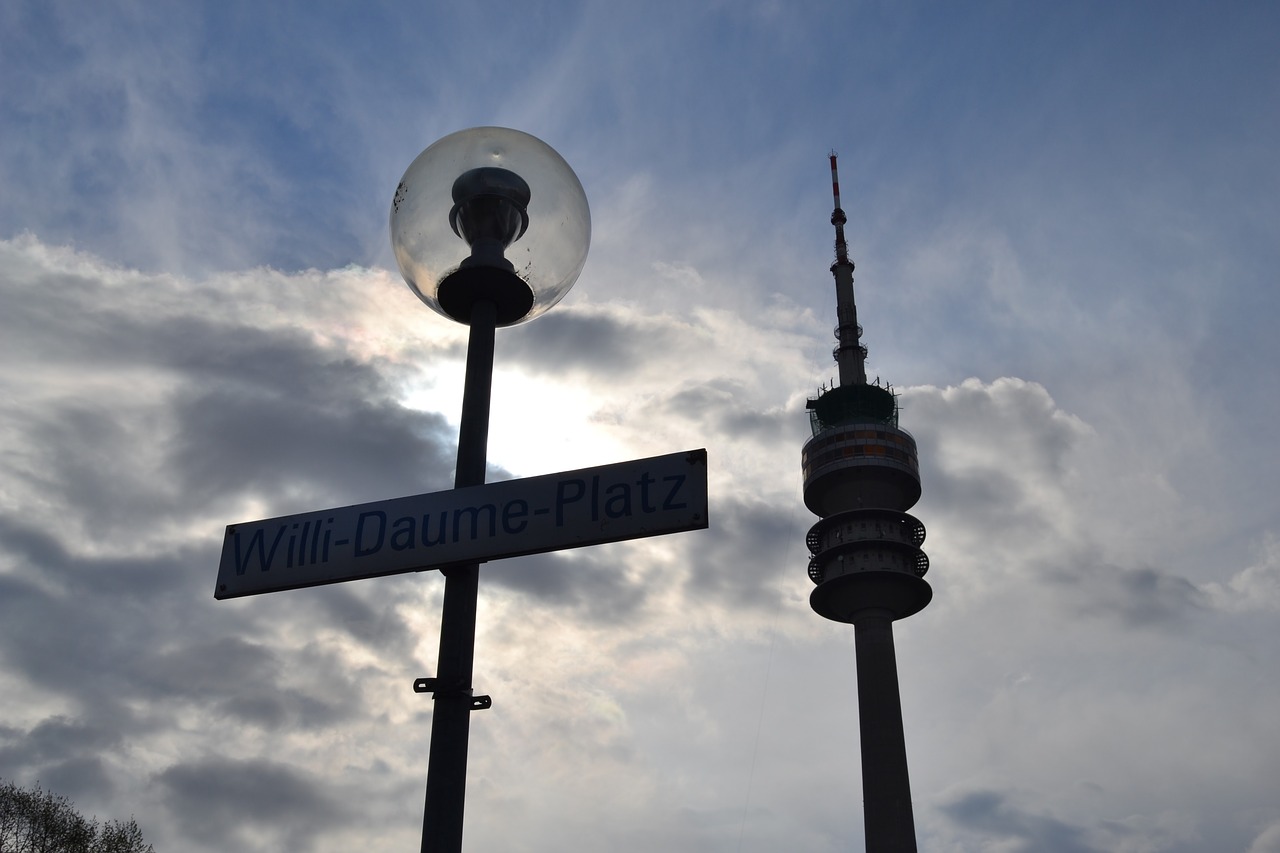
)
(849, 353)
(837, 215)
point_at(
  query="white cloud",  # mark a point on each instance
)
(1255, 587)
(1268, 841)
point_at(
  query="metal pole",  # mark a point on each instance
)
(451, 719)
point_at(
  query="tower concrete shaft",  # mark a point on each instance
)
(886, 790)
(861, 475)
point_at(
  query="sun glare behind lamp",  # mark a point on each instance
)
(490, 213)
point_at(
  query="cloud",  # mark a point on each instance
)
(231, 405)
(1013, 829)
(223, 804)
(97, 662)
(1000, 821)
(80, 777)
(588, 341)
(1268, 841)
(55, 740)
(593, 584)
(1137, 597)
(756, 548)
(1254, 588)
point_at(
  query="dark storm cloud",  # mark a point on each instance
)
(309, 423)
(378, 627)
(986, 494)
(750, 548)
(256, 411)
(63, 317)
(79, 627)
(585, 340)
(221, 803)
(55, 739)
(216, 667)
(249, 682)
(1135, 597)
(727, 407)
(66, 632)
(274, 709)
(44, 554)
(79, 778)
(72, 645)
(110, 652)
(991, 816)
(592, 583)
(83, 452)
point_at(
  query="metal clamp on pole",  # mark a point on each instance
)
(432, 685)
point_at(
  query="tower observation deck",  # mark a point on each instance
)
(861, 475)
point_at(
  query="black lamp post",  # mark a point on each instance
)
(490, 228)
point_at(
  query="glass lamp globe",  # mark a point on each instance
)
(490, 213)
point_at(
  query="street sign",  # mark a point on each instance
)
(627, 500)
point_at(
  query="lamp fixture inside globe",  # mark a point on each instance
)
(492, 215)
(490, 211)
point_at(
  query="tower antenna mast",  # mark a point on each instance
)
(849, 353)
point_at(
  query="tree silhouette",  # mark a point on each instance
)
(40, 821)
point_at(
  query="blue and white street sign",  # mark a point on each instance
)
(626, 500)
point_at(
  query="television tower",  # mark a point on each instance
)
(861, 474)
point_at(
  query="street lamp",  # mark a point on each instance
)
(490, 213)
(490, 227)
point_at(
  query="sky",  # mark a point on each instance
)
(1063, 218)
